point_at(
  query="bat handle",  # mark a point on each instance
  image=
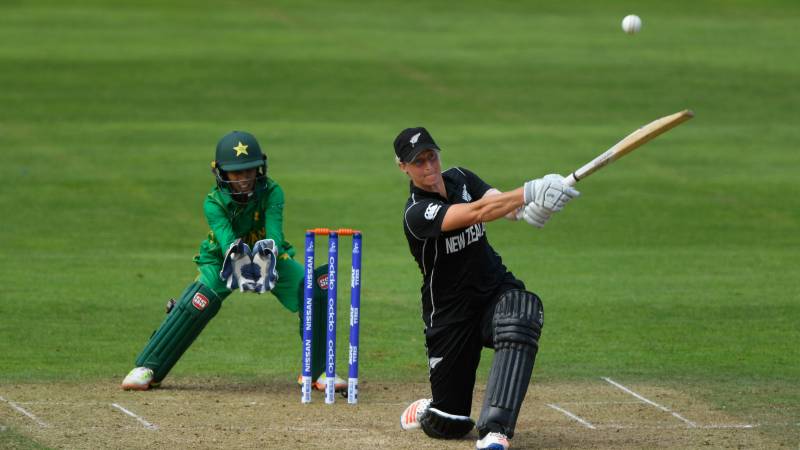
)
(570, 179)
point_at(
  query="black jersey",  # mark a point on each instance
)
(460, 269)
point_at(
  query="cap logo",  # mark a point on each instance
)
(241, 149)
(414, 139)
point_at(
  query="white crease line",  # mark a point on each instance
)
(673, 427)
(316, 430)
(663, 408)
(572, 416)
(21, 410)
(146, 424)
(629, 402)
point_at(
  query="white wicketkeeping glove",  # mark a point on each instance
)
(237, 259)
(265, 257)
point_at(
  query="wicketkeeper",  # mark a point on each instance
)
(244, 250)
(469, 299)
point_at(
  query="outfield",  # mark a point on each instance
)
(675, 271)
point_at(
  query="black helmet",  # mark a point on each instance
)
(239, 150)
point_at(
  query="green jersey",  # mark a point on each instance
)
(260, 218)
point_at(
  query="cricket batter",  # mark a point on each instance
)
(469, 299)
(245, 249)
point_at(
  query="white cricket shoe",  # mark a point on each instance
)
(493, 441)
(409, 420)
(139, 379)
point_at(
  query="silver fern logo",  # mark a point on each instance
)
(414, 139)
(465, 195)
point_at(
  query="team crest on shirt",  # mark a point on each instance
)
(432, 210)
(465, 195)
(433, 362)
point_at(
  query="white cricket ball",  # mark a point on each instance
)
(631, 24)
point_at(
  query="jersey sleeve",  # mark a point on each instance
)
(273, 216)
(220, 224)
(476, 186)
(424, 219)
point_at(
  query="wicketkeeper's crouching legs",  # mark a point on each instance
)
(516, 325)
(201, 301)
(196, 306)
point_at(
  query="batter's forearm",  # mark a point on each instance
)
(499, 205)
(487, 209)
(511, 215)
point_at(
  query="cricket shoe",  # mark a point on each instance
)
(409, 420)
(139, 379)
(339, 385)
(493, 441)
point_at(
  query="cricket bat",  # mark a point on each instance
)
(630, 143)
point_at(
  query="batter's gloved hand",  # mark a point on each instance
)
(548, 193)
(534, 215)
(265, 257)
(236, 258)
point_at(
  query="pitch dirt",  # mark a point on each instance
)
(199, 413)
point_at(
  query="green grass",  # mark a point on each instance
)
(678, 265)
(11, 439)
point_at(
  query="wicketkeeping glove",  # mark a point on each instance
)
(236, 259)
(265, 258)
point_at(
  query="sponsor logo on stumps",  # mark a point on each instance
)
(353, 356)
(331, 358)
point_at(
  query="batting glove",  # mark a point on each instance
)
(549, 192)
(534, 215)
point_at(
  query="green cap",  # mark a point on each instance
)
(238, 150)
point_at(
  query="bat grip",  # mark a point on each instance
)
(570, 179)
